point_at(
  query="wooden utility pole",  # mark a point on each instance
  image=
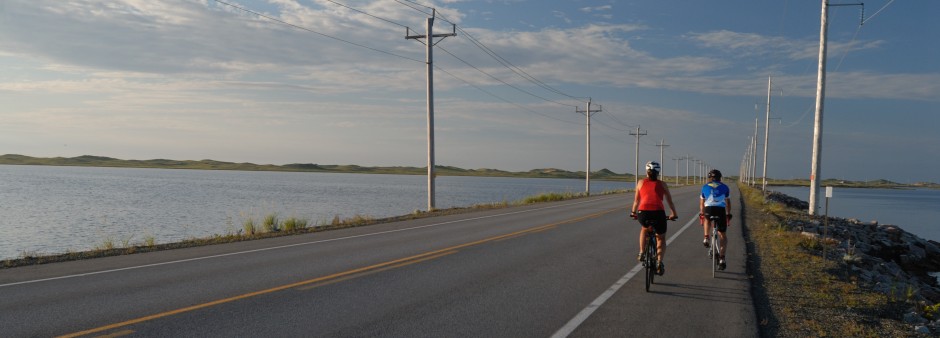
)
(587, 172)
(429, 42)
(636, 160)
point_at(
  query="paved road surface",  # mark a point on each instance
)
(558, 269)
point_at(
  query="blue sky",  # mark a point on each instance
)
(200, 79)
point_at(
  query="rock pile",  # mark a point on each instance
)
(790, 202)
(892, 261)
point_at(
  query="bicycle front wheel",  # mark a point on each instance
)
(650, 261)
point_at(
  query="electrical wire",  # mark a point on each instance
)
(876, 12)
(315, 32)
(409, 5)
(501, 60)
(503, 82)
(500, 98)
(360, 11)
(515, 69)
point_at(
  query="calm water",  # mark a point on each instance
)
(45, 210)
(916, 211)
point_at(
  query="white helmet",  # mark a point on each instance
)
(652, 165)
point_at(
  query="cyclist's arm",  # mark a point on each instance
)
(636, 197)
(668, 195)
(728, 205)
(701, 205)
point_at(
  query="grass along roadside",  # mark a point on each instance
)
(797, 293)
(270, 225)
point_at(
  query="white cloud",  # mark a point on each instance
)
(596, 9)
(753, 45)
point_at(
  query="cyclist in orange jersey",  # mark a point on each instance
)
(648, 207)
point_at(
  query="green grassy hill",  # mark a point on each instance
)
(101, 161)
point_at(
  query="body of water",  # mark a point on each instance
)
(47, 210)
(915, 210)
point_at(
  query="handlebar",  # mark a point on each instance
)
(633, 216)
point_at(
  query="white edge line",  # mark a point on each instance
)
(600, 300)
(292, 245)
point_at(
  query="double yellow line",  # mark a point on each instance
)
(337, 277)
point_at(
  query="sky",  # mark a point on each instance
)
(337, 82)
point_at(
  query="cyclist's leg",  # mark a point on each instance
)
(660, 246)
(722, 243)
(722, 225)
(660, 228)
(643, 229)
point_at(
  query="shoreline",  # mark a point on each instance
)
(279, 231)
(880, 258)
(441, 170)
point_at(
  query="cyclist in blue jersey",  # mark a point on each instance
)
(716, 201)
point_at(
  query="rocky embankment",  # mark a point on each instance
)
(884, 257)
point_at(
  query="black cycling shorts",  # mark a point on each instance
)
(722, 221)
(656, 217)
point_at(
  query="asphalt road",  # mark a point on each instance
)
(553, 269)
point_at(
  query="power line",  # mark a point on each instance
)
(503, 82)
(515, 69)
(501, 60)
(878, 11)
(315, 32)
(409, 5)
(360, 11)
(500, 98)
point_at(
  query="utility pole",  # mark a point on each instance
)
(754, 150)
(662, 146)
(687, 159)
(677, 168)
(587, 172)
(636, 160)
(747, 162)
(820, 99)
(429, 42)
(766, 137)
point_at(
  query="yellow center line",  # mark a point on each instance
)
(526, 233)
(328, 277)
(363, 274)
(117, 334)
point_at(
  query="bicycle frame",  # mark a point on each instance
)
(650, 260)
(713, 249)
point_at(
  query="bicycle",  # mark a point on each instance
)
(650, 252)
(712, 251)
(650, 260)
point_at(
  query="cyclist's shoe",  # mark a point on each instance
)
(640, 257)
(721, 264)
(705, 242)
(660, 269)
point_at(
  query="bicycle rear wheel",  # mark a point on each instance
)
(650, 261)
(715, 252)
